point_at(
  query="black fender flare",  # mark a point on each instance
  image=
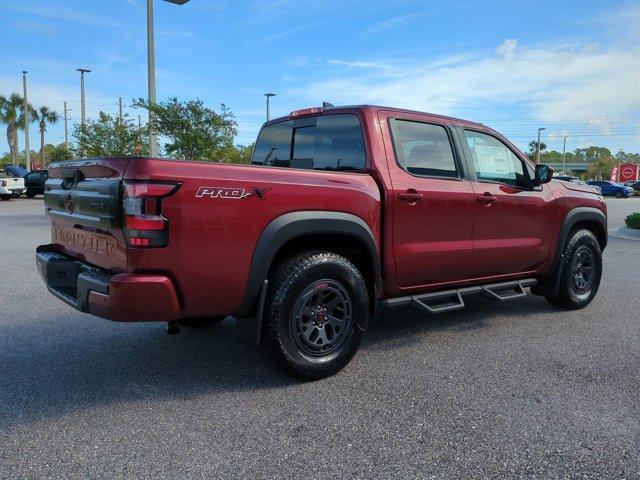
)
(275, 235)
(575, 216)
(289, 226)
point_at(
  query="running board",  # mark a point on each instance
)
(451, 300)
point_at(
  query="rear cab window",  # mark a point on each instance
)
(332, 142)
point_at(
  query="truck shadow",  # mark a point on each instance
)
(49, 372)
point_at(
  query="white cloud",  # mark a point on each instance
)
(507, 49)
(63, 14)
(550, 82)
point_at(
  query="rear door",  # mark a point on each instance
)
(433, 201)
(514, 220)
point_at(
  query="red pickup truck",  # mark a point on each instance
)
(343, 210)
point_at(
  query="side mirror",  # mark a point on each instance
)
(544, 174)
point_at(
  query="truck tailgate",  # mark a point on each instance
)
(83, 200)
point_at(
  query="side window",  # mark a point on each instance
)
(495, 162)
(327, 142)
(423, 149)
(273, 146)
(335, 142)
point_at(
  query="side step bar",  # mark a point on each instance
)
(450, 300)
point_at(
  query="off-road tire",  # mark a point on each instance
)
(294, 286)
(582, 244)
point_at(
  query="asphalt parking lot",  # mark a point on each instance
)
(509, 390)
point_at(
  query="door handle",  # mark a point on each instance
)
(487, 199)
(410, 196)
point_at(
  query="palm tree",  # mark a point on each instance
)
(44, 115)
(11, 116)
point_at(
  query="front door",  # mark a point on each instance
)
(433, 202)
(514, 221)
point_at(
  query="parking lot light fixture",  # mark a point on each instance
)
(151, 65)
(538, 148)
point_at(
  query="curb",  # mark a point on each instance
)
(625, 232)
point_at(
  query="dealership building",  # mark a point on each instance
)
(625, 172)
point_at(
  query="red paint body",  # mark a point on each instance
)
(446, 239)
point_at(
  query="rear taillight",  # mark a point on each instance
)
(4, 183)
(144, 224)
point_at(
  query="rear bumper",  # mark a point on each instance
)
(122, 297)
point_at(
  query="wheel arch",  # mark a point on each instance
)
(588, 217)
(341, 233)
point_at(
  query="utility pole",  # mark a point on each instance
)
(25, 113)
(83, 111)
(564, 152)
(269, 95)
(538, 148)
(120, 108)
(66, 128)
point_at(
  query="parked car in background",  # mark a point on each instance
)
(10, 186)
(635, 185)
(15, 171)
(612, 189)
(34, 182)
(576, 180)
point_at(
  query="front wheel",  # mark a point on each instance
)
(317, 313)
(619, 195)
(31, 194)
(580, 271)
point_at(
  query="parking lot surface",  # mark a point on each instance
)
(511, 390)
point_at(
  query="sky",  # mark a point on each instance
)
(572, 67)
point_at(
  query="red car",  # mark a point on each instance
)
(343, 210)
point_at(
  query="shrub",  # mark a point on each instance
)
(633, 221)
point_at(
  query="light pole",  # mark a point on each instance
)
(269, 95)
(564, 151)
(538, 148)
(66, 128)
(151, 67)
(83, 111)
(25, 114)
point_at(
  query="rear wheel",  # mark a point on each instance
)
(317, 313)
(580, 271)
(31, 194)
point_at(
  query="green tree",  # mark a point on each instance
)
(238, 154)
(592, 154)
(193, 130)
(60, 152)
(601, 169)
(44, 115)
(624, 157)
(533, 149)
(11, 115)
(108, 137)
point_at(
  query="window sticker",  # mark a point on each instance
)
(494, 162)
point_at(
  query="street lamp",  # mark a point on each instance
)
(564, 151)
(151, 65)
(269, 95)
(538, 149)
(83, 110)
(27, 119)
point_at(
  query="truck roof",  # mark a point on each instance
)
(353, 108)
